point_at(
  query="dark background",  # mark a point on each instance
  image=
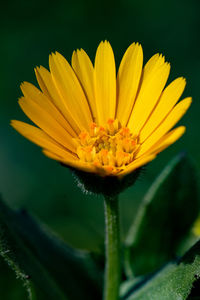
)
(29, 32)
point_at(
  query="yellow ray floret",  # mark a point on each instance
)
(92, 119)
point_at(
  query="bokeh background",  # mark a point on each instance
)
(29, 32)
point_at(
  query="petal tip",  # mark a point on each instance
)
(12, 123)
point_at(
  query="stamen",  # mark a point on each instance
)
(84, 137)
(93, 127)
(109, 148)
(111, 128)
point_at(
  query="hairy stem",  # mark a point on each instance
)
(112, 271)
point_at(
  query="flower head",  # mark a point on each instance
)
(94, 121)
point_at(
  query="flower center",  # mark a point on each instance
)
(110, 147)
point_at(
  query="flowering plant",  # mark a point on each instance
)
(105, 128)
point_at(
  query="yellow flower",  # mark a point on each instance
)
(92, 120)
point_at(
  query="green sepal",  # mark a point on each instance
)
(165, 216)
(109, 186)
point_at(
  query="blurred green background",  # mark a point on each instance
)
(30, 31)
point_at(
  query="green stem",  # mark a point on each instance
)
(112, 271)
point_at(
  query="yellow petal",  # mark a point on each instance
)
(67, 83)
(168, 99)
(41, 139)
(83, 67)
(173, 117)
(46, 122)
(105, 83)
(154, 78)
(136, 164)
(128, 79)
(170, 138)
(48, 87)
(71, 163)
(30, 91)
(44, 80)
(155, 62)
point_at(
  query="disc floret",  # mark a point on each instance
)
(110, 147)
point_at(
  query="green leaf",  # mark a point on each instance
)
(10, 288)
(71, 274)
(22, 261)
(166, 214)
(174, 282)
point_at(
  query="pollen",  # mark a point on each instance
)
(110, 147)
